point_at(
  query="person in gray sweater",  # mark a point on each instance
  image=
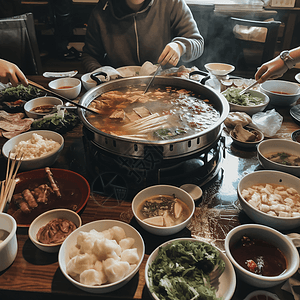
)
(131, 32)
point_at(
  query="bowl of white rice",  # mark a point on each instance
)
(39, 148)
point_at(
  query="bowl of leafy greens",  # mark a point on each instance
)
(250, 102)
(187, 268)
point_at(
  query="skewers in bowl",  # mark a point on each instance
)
(8, 185)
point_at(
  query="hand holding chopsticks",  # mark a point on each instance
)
(8, 185)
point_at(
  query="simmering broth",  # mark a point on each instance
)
(163, 113)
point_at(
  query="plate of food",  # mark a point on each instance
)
(12, 99)
(198, 269)
(39, 190)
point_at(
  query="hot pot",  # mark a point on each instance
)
(170, 149)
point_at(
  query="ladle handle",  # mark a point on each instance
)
(95, 78)
(204, 79)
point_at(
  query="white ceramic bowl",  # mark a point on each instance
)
(101, 225)
(35, 163)
(163, 190)
(9, 245)
(272, 177)
(45, 218)
(67, 87)
(270, 86)
(219, 69)
(251, 109)
(275, 238)
(259, 138)
(226, 282)
(31, 104)
(278, 145)
(261, 294)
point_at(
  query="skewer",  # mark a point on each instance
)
(8, 185)
(53, 184)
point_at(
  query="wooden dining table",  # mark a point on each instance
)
(36, 274)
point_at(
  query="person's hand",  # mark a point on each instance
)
(273, 69)
(171, 54)
(10, 72)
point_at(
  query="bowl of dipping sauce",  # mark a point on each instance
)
(67, 87)
(8, 240)
(39, 107)
(280, 92)
(253, 249)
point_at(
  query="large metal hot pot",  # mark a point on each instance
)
(170, 149)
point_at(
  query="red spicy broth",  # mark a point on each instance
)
(185, 113)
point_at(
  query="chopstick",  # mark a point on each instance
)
(155, 73)
(8, 185)
(248, 88)
(62, 97)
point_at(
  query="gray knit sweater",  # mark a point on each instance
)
(117, 37)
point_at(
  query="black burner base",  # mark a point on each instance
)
(124, 177)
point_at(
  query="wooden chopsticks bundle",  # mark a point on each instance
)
(8, 185)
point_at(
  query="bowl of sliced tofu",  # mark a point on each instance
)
(163, 209)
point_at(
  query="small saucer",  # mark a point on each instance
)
(194, 190)
(219, 69)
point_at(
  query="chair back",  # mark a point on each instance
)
(19, 44)
(267, 47)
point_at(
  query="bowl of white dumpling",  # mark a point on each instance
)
(101, 256)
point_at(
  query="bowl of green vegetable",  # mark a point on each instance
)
(250, 102)
(198, 270)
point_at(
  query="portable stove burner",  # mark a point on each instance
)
(122, 177)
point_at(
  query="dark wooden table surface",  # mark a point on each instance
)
(36, 275)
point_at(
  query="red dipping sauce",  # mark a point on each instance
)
(259, 256)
